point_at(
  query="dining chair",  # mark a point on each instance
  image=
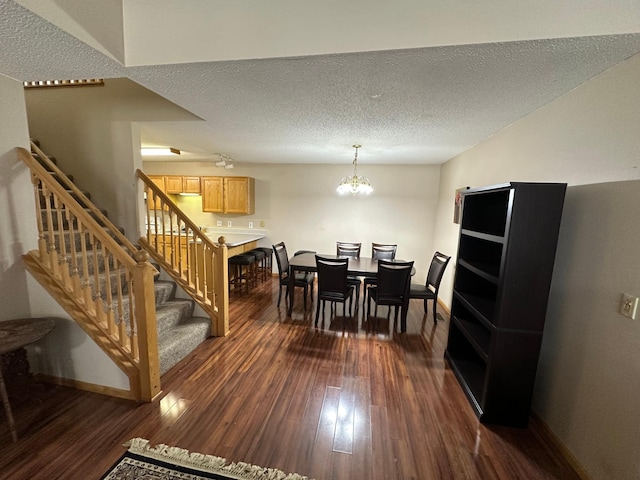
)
(379, 251)
(429, 290)
(302, 279)
(333, 285)
(351, 249)
(392, 289)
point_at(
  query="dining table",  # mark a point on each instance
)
(306, 262)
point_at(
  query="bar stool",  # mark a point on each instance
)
(261, 263)
(268, 257)
(238, 274)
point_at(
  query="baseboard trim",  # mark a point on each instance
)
(444, 307)
(87, 387)
(561, 447)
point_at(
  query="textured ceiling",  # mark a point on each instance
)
(414, 106)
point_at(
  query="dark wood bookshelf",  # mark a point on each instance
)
(506, 252)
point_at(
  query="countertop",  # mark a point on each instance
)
(235, 238)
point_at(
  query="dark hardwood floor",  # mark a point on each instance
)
(348, 400)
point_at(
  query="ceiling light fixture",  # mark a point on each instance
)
(355, 184)
(158, 152)
(225, 161)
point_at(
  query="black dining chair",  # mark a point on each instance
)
(302, 279)
(333, 285)
(429, 290)
(351, 249)
(392, 289)
(379, 251)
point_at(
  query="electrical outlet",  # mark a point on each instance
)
(218, 223)
(628, 306)
(228, 223)
(261, 223)
(250, 224)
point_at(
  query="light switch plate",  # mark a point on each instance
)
(219, 223)
(228, 223)
(628, 306)
(250, 224)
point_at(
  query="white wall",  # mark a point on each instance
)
(211, 30)
(89, 131)
(17, 215)
(67, 352)
(300, 206)
(587, 386)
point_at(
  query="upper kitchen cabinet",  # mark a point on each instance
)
(177, 184)
(239, 195)
(212, 196)
(228, 195)
(160, 181)
(173, 184)
(191, 185)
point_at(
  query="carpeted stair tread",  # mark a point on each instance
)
(165, 291)
(182, 340)
(169, 314)
(44, 213)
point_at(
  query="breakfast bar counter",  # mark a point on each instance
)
(237, 242)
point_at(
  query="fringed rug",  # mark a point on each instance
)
(162, 462)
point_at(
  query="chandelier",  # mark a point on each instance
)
(355, 184)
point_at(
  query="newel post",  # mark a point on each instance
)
(42, 241)
(221, 282)
(147, 331)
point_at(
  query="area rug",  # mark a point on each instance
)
(162, 462)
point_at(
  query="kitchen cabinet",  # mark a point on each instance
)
(173, 184)
(212, 196)
(162, 243)
(160, 181)
(190, 185)
(506, 252)
(228, 195)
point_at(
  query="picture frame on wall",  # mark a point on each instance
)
(457, 206)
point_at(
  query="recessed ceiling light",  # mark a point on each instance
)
(157, 152)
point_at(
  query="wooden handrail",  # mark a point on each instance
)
(54, 186)
(175, 209)
(200, 268)
(94, 278)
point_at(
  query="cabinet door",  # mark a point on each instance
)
(212, 197)
(162, 243)
(191, 185)
(239, 195)
(159, 180)
(173, 184)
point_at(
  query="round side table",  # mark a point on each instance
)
(15, 334)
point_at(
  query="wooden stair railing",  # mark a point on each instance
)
(82, 199)
(104, 283)
(192, 260)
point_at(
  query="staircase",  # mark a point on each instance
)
(177, 330)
